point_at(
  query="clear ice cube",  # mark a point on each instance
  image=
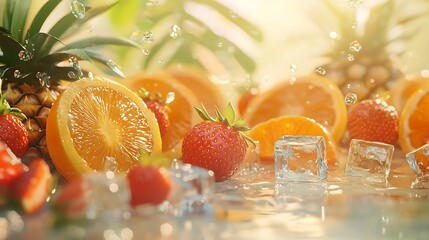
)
(370, 160)
(191, 187)
(300, 158)
(418, 160)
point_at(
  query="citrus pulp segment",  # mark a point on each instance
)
(311, 96)
(96, 119)
(182, 114)
(404, 88)
(267, 133)
(414, 121)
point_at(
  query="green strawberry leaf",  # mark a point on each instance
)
(230, 114)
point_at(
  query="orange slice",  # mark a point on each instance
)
(96, 119)
(414, 121)
(200, 84)
(311, 96)
(267, 133)
(402, 90)
(182, 114)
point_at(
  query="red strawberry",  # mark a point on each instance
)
(12, 131)
(148, 185)
(32, 188)
(216, 144)
(159, 108)
(10, 166)
(373, 120)
(72, 200)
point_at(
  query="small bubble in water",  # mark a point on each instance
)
(293, 68)
(220, 44)
(175, 31)
(24, 56)
(355, 46)
(78, 9)
(350, 57)
(350, 99)
(17, 74)
(321, 71)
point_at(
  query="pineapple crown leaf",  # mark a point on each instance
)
(6, 109)
(155, 160)
(229, 119)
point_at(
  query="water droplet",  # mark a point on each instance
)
(91, 75)
(146, 36)
(293, 68)
(170, 97)
(25, 56)
(161, 61)
(43, 79)
(321, 71)
(1, 53)
(113, 65)
(145, 51)
(175, 31)
(71, 75)
(73, 62)
(233, 14)
(110, 164)
(350, 99)
(78, 9)
(333, 35)
(354, 25)
(151, 3)
(220, 44)
(355, 46)
(17, 74)
(350, 57)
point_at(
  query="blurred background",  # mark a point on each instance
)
(245, 43)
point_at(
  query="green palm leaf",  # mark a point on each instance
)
(194, 33)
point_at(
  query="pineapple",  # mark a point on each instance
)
(35, 66)
(364, 59)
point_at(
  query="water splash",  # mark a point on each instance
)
(350, 99)
(355, 46)
(78, 9)
(175, 31)
(25, 55)
(321, 71)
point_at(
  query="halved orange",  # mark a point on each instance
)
(198, 81)
(402, 90)
(267, 133)
(311, 96)
(182, 114)
(414, 121)
(94, 119)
